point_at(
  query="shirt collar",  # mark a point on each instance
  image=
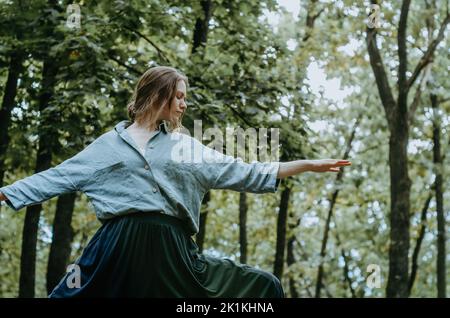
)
(121, 126)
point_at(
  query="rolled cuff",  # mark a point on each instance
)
(13, 200)
(272, 182)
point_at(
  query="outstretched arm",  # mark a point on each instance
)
(292, 168)
(69, 176)
(219, 171)
(40, 187)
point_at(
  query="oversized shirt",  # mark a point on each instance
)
(171, 177)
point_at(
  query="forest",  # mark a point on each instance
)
(365, 81)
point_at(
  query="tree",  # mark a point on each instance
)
(397, 116)
(438, 188)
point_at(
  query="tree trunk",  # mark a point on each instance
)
(397, 285)
(332, 200)
(15, 68)
(346, 270)
(290, 257)
(199, 39)
(311, 16)
(61, 241)
(397, 117)
(200, 237)
(437, 158)
(202, 26)
(281, 232)
(415, 257)
(290, 260)
(9, 95)
(243, 208)
(47, 139)
(30, 232)
(324, 245)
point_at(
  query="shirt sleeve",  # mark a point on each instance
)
(68, 176)
(226, 172)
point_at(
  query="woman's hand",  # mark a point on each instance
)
(292, 168)
(2, 197)
(328, 165)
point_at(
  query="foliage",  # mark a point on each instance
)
(246, 75)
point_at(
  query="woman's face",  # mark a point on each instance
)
(178, 105)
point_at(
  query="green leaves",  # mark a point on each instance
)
(245, 75)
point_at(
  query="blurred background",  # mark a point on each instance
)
(340, 79)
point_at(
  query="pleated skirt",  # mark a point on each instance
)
(150, 254)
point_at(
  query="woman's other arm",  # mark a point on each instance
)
(292, 168)
(68, 176)
(39, 187)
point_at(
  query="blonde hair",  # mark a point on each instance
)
(155, 89)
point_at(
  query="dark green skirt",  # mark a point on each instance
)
(149, 254)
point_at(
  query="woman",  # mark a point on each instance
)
(148, 201)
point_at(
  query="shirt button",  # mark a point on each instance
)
(146, 167)
(154, 189)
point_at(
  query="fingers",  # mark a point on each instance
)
(343, 163)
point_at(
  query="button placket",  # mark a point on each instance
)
(154, 189)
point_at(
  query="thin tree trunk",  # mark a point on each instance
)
(243, 209)
(312, 14)
(281, 232)
(346, 274)
(83, 242)
(320, 274)
(200, 237)
(61, 241)
(202, 26)
(344, 256)
(333, 198)
(200, 38)
(437, 158)
(290, 260)
(304, 255)
(415, 256)
(327, 290)
(9, 95)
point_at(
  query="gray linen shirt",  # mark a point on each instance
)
(172, 177)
